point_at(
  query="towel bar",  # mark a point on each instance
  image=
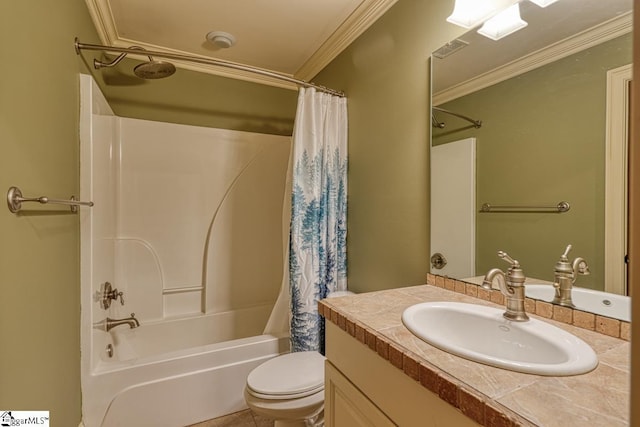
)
(15, 200)
(559, 208)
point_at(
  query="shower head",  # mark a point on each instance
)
(154, 69)
(147, 70)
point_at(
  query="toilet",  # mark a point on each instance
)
(289, 388)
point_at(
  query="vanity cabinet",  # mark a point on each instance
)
(345, 405)
(363, 389)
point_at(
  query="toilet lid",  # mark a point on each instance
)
(289, 374)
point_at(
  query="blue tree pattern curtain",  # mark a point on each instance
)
(317, 245)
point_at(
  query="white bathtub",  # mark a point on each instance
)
(177, 372)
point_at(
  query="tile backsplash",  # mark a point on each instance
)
(582, 319)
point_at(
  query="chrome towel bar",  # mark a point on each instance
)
(559, 208)
(15, 199)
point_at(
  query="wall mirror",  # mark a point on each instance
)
(543, 112)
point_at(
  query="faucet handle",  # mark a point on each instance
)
(507, 258)
(563, 266)
(108, 293)
(580, 266)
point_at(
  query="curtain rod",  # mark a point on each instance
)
(476, 123)
(208, 61)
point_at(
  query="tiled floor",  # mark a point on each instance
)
(239, 419)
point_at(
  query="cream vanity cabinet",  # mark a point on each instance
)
(345, 405)
(363, 389)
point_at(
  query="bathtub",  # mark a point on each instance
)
(176, 372)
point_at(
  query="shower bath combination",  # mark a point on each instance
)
(200, 312)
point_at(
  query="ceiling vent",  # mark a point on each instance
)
(450, 48)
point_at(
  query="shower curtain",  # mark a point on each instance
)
(317, 242)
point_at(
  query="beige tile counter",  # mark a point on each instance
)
(488, 395)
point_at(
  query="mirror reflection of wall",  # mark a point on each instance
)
(542, 141)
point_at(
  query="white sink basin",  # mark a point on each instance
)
(603, 303)
(481, 334)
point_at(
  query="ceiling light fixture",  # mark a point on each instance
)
(504, 23)
(471, 13)
(221, 39)
(543, 3)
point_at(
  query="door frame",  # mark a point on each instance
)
(616, 170)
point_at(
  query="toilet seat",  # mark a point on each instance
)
(290, 376)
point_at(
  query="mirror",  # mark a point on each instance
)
(552, 101)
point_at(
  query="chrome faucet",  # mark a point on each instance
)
(511, 285)
(108, 323)
(565, 275)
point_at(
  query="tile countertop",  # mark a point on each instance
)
(491, 396)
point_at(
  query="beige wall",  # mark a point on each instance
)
(39, 269)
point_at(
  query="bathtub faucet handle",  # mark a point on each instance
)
(109, 294)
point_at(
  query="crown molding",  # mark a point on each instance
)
(606, 31)
(358, 22)
(102, 18)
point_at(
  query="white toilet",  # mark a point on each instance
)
(289, 388)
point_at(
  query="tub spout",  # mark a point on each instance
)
(108, 323)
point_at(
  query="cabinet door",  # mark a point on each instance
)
(346, 406)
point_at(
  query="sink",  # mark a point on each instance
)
(603, 303)
(480, 333)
